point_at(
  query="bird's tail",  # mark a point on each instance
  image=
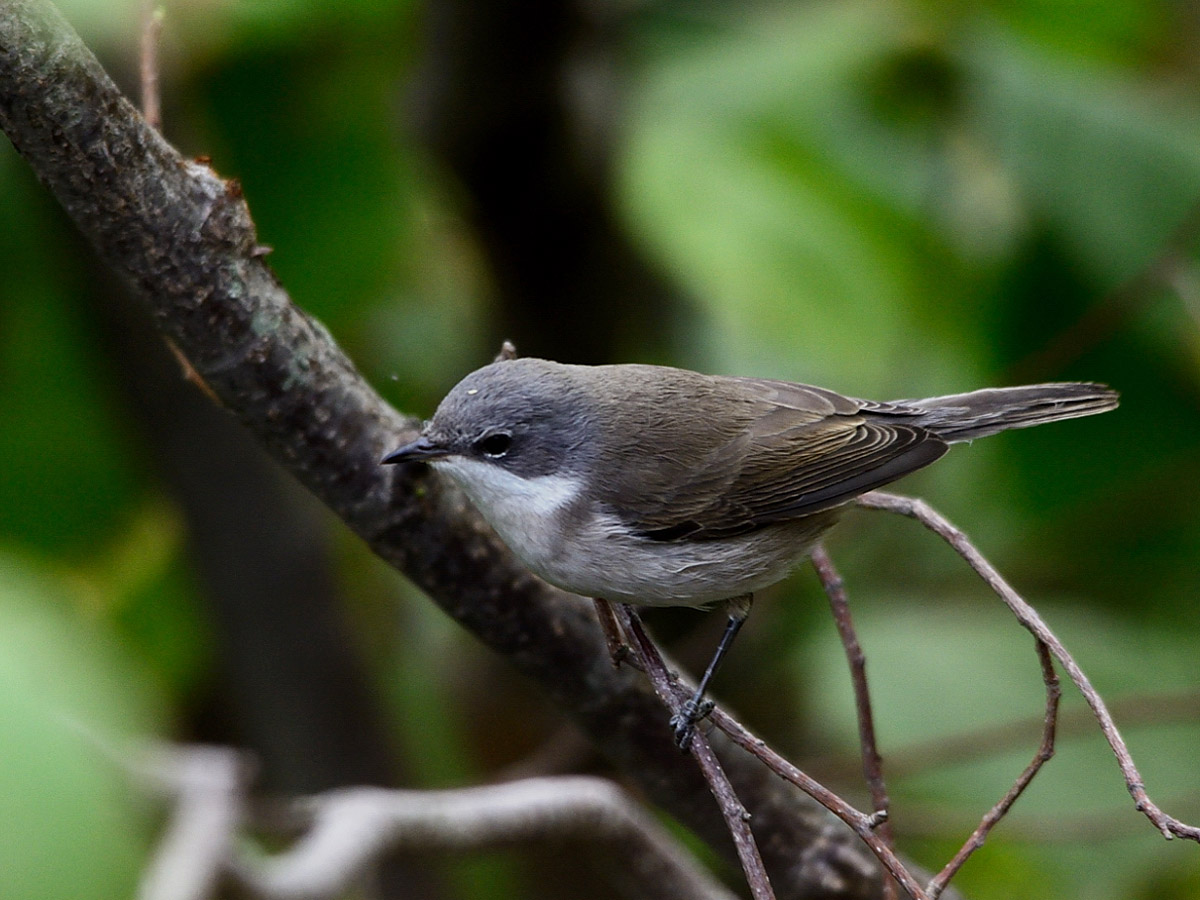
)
(964, 417)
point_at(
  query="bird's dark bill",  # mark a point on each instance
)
(420, 450)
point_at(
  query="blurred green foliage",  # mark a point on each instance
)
(891, 198)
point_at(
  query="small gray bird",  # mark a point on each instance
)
(664, 487)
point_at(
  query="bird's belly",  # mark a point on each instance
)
(603, 560)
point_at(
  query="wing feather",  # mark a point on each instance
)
(798, 451)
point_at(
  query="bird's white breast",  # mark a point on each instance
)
(523, 511)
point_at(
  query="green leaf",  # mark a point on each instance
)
(71, 825)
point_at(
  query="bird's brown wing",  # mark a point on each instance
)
(800, 450)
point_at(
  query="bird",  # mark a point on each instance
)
(660, 486)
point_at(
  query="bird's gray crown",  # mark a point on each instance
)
(527, 415)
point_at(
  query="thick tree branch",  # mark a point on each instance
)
(182, 239)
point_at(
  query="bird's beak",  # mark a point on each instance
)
(420, 450)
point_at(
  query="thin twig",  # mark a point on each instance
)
(872, 762)
(1029, 618)
(863, 824)
(736, 815)
(1044, 752)
(151, 97)
(618, 650)
(152, 22)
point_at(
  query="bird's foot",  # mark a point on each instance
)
(684, 721)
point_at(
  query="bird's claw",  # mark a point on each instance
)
(684, 721)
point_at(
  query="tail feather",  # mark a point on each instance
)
(964, 417)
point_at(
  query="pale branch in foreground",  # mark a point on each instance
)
(351, 830)
(206, 784)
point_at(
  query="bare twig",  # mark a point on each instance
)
(152, 22)
(354, 827)
(863, 824)
(736, 816)
(872, 762)
(151, 96)
(618, 650)
(996, 813)
(1028, 617)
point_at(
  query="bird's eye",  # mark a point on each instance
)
(494, 445)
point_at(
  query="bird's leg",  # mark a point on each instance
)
(695, 709)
